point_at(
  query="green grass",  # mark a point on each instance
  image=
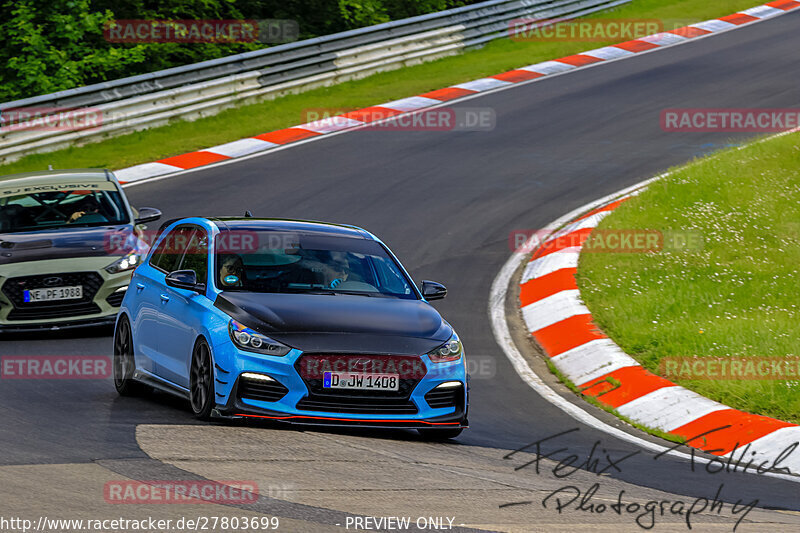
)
(498, 56)
(734, 296)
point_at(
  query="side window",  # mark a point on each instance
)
(169, 252)
(196, 257)
(389, 280)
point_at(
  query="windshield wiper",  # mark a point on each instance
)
(308, 291)
(360, 293)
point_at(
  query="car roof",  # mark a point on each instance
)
(282, 224)
(86, 175)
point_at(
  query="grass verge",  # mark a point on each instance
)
(246, 121)
(734, 296)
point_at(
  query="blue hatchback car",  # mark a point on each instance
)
(291, 321)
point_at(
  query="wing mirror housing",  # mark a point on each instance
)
(185, 279)
(433, 291)
(147, 214)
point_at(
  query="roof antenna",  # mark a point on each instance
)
(248, 214)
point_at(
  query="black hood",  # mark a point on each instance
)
(65, 243)
(340, 323)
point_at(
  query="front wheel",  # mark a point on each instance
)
(201, 381)
(440, 434)
(124, 364)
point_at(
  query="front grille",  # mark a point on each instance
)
(357, 405)
(311, 367)
(441, 398)
(115, 300)
(14, 289)
(264, 391)
(53, 311)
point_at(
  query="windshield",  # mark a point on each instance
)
(273, 262)
(55, 206)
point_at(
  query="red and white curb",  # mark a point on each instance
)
(354, 119)
(562, 325)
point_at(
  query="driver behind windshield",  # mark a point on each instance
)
(330, 268)
(321, 264)
(88, 213)
(231, 271)
(339, 269)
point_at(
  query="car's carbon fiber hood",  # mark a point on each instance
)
(340, 323)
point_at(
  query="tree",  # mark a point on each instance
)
(59, 44)
(55, 45)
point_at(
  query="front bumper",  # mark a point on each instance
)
(104, 302)
(100, 321)
(447, 422)
(286, 409)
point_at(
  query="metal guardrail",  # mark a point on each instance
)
(206, 88)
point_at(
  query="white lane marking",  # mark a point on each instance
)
(241, 147)
(714, 25)
(483, 84)
(664, 39)
(608, 52)
(547, 311)
(768, 447)
(567, 258)
(591, 360)
(762, 11)
(438, 103)
(144, 171)
(412, 103)
(330, 125)
(502, 334)
(588, 222)
(548, 67)
(669, 408)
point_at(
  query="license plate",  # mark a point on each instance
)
(350, 380)
(51, 294)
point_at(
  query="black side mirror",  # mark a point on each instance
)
(185, 279)
(147, 214)
(433, 291)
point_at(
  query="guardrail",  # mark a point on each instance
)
(206, 88)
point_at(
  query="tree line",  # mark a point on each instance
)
(55, 45)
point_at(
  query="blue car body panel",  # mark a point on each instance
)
(166, 322)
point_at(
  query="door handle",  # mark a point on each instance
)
(164, 298)
(139, 287)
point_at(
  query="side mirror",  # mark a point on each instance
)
(147, 214)
(185, 279)
(433, 291)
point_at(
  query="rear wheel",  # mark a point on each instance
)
(124, 363)
(440, 434)
(201, 384)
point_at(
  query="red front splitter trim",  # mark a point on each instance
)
(302, 417)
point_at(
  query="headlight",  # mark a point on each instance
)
(447, 352)
(251, 341)
(129, 262)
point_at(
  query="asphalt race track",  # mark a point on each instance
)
(445, 202)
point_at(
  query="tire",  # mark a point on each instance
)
(201, 381)
(440, 434)
(124, 363)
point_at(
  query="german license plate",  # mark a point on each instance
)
(51, 294)
(350, 380)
